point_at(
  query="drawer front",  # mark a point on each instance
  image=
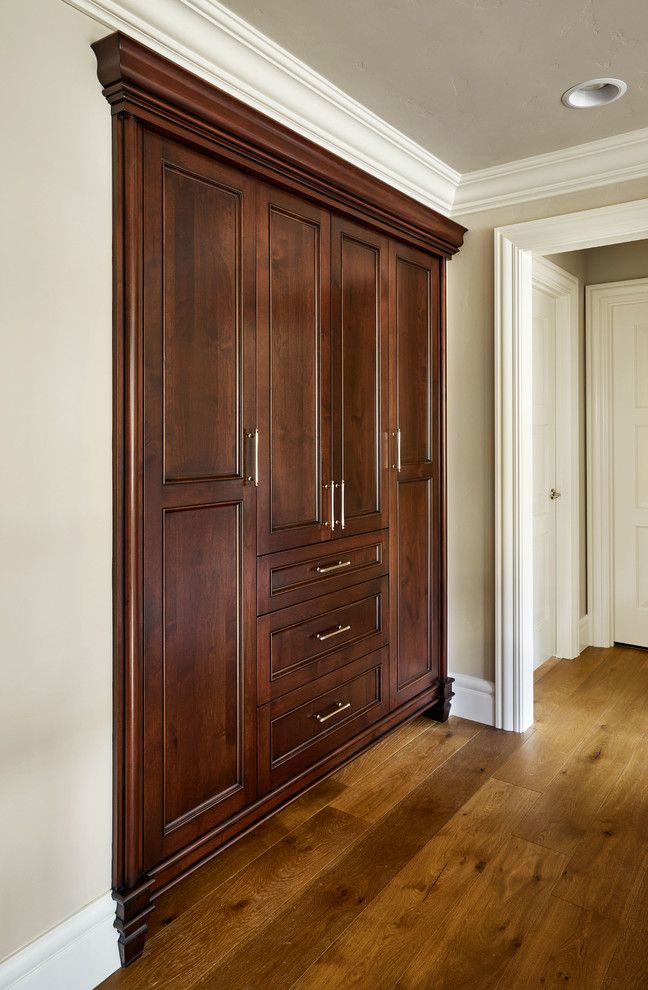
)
(294, 576)
(307, 725)
(299, 644)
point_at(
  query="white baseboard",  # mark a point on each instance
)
(474, 699)
(78, 954)
(584, 633)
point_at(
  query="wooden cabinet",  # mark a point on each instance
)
(279, 487)
(199, 556)
(416, 559)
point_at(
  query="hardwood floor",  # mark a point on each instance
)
(448, 857)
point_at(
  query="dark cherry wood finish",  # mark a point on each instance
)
(360, 376)
(301, 643)
(300, 728)
(261, 284)
(417, 601)
(299, 575)
(293, 288)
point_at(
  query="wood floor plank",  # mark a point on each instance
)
(212, 928)
(377, 755)
(555, 738)
(485, 929)
(628, 968)
(380, 790)
(276, 957)
(236, 857)
(371, 952)
(571, 948)
(571, 802)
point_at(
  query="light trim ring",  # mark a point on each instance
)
(594, 93)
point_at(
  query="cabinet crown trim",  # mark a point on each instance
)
(140, 82)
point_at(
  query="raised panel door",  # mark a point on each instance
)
(199, 599)
(294, 398)
(360, 367)
(416, 643)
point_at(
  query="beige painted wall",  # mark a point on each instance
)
(617, 262)
(55, 497)
(471, 461)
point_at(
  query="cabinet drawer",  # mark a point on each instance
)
(299, 644)
(305, 726)
(294, 576)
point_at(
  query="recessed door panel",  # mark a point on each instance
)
(359, 335)
(418, 608)
(294, 357)
(414, 308)
(202, 334)
(203, 658)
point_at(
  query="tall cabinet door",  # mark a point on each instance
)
(199, 514)
(360, 368)
(294, 391)
(416, 551)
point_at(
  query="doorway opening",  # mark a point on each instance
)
(516, 247)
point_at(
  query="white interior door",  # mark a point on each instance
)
(544, 476)
(630, 362)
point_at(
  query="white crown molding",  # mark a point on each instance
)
(78, 954)
(212, 42)
(584, 166)
(474, 699)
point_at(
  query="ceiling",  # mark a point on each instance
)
(476, 82)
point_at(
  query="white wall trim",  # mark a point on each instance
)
(584, 166)
(78, 954)
(474, 699)
(600, 303)
(214, 43)
(564, 289)
(514, 248)
(584, 637)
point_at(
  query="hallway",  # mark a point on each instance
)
(448, 856)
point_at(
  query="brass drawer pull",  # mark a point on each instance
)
(332, 632)
(336, 711)
(332, 567)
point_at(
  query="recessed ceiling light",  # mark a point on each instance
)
(594, 93)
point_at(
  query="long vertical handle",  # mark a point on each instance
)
(342, 505)
(330, 522)
(397, 437)
(253, 479)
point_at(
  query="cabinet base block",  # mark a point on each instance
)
(134, 905)
(440, 710)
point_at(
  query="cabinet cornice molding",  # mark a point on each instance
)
(144, 84)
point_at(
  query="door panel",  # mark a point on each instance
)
(630, 360)
(294, 359)
(360, 359)
(416, 479)
(544, 476)
(199, 515)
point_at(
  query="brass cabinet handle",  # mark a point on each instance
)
(331, 522)
(331, 632)
(327, 568)
(253, 479)
(343, 506)
(340, 707)
(397, 437)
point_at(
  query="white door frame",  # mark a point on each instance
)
(514, 248)
(601, 299)
(563, 288)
